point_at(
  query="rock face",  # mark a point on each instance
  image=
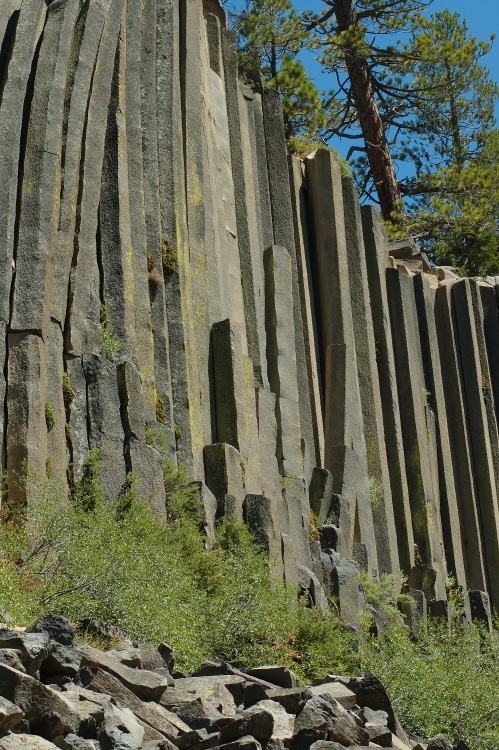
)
(165, 265)
(105, 705)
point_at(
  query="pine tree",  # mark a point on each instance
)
(271, 35)
(370, 79)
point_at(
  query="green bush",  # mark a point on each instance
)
(447, 681)
(110, 344)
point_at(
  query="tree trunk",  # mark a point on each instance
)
(378, 151)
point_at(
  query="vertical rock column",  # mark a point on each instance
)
(282, 219)
(454, 550)
(462, 456)
(31, 329)
(246, 209)
(377, 262)
(307, 303)
(90, 29)
(282, 372)
(370, 398)
(18, 54)
(429, 572)
(345, 448)
(154, 245)
(172, 238)
(476, 388)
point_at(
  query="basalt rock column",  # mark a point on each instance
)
(418, 438)
(345, 449)
(460, 442)
(370, 398)
(454, 550)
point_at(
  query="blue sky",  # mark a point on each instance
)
(482, 17)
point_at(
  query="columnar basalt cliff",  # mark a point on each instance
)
(164, 264)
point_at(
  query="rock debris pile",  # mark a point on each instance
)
(58, 694)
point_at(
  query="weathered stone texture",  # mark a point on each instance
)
(175, 287)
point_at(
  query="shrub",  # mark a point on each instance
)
(168, 257)
(160, 409)
(49, 416)
(447, 681)
(110, 345)
(67, 391)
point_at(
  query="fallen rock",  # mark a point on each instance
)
(313, 723)
(156, 716)
(375, 717)
(206, 686)
(32, 646)
(379, 734)
(440, 742)
(145, 685)
(13, 658)
(61, 660)
(291, 699)
(326, 745)
(200, 713)
(57, 627)
(46, 710)
(120, 729)
(258, 723)
(10, 715)
(25, 742)
(276, 675)
(370, 692)
(130, 657)
(283, 721)
(346, 732)
(338, 691)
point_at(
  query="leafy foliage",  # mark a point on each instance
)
(110, 344)
(447, 681)
(270, 36)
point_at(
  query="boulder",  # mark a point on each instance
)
(146, 685)
(379, 734)
(12, 657)
(10, 715)
(283, 721)
(57, 627)
(291, 699)
(281, 676)
(439, 742)
(46, 710)
(371, 692)
(25, 742)
(206, 686)
(313, 723)
(120, 730)
(259, 723)
(200, 713)
(346, 732)
(61, 660)
(156, 716)
(336, 690)
(33, 647)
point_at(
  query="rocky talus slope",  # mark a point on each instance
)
(55, 693)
